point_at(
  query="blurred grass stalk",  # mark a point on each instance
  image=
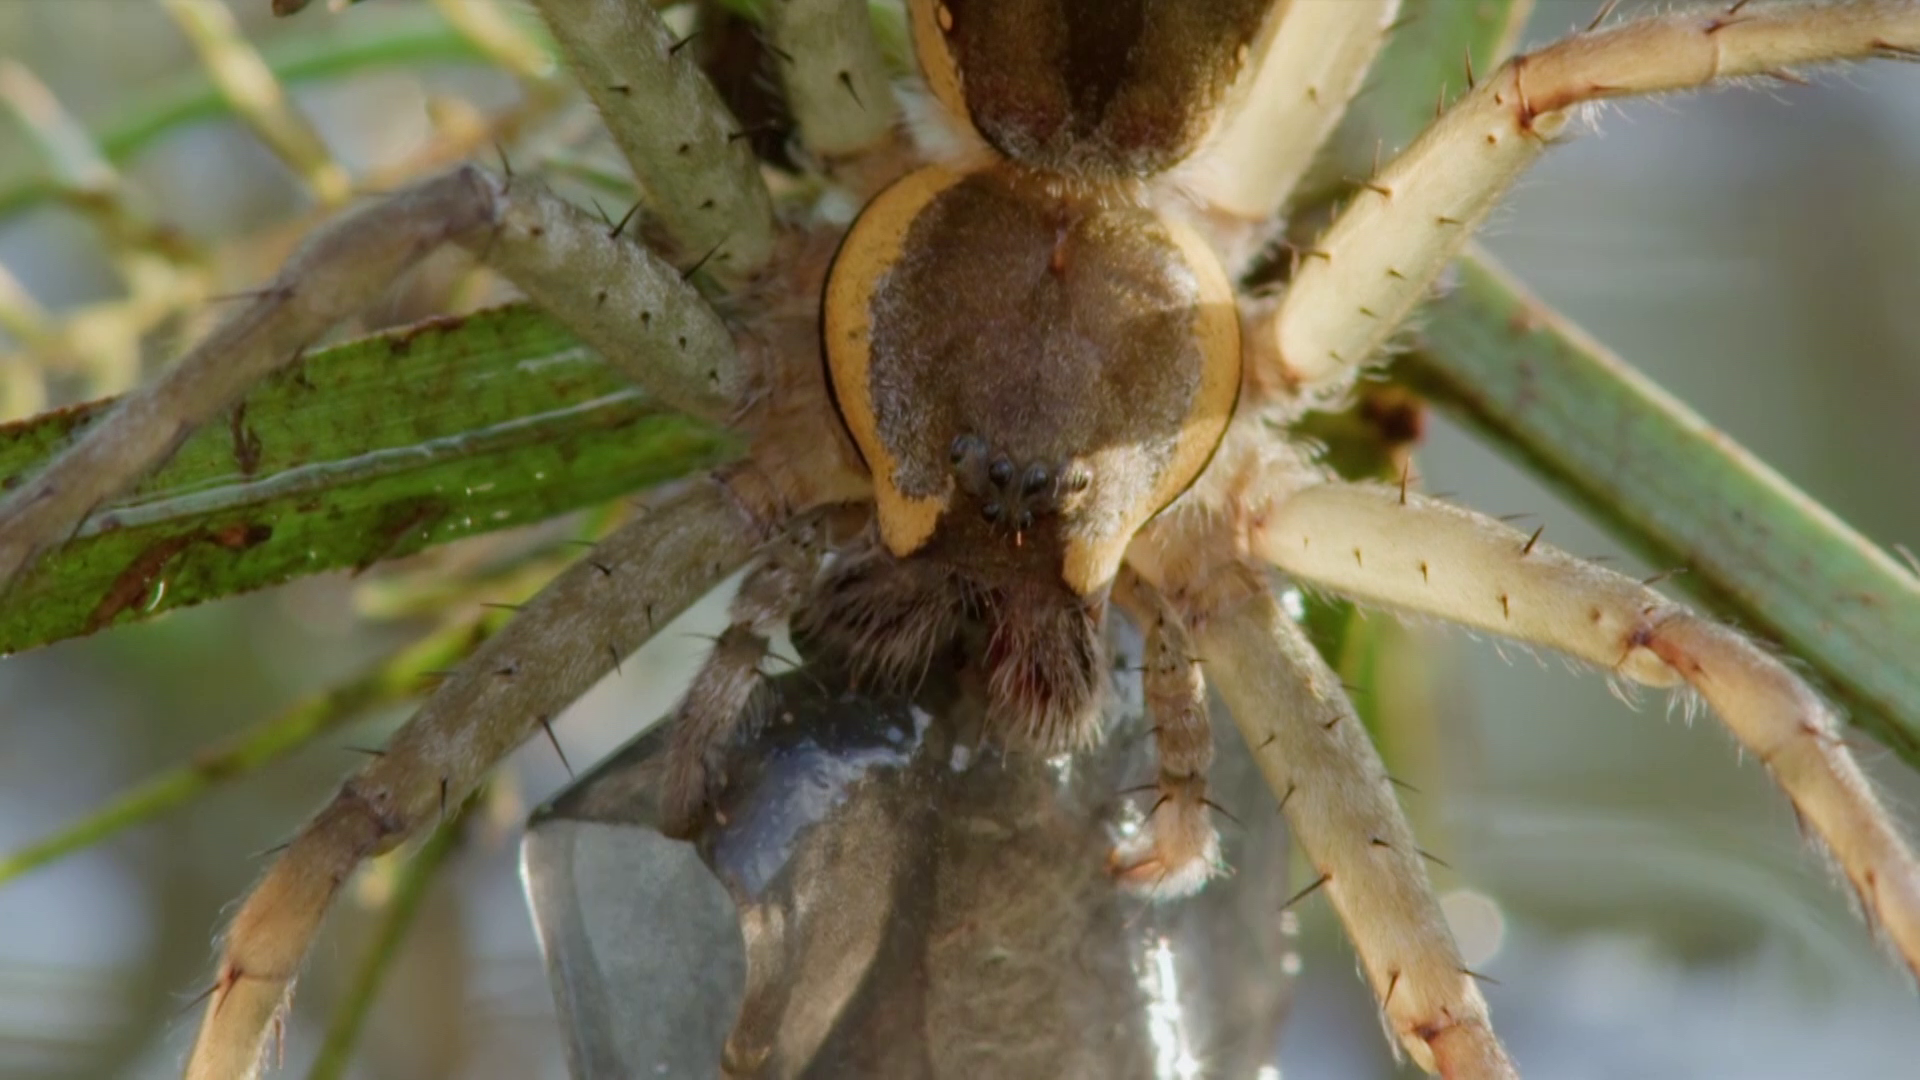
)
(255, 95)
(399, 37)
(164, 276)
(401, 677)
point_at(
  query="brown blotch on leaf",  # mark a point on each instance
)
(132, 584)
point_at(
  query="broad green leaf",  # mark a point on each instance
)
(1679, 491)
(366, 451)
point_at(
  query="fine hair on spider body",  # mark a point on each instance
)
(1026, 388)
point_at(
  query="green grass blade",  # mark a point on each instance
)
(367, 451)
(1677, 490)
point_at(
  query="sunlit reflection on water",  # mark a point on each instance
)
(1174, 1058)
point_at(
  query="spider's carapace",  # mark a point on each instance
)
(1032, 358)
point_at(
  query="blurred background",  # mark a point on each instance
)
(1640, 893)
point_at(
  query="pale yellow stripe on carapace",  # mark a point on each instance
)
(871, 249)
(931, 23)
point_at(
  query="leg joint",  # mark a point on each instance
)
(373, 805)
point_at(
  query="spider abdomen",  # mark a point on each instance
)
(1116, 87)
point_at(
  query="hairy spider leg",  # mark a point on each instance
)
(1424, 556)
(1307, 64)
(1360, 281)
(1340, 805)
(559, 645)
(1177, 849)
(719, 706)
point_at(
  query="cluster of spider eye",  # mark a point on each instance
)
(1042, 490)
(1043, 398)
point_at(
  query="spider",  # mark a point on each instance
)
(1020, 395)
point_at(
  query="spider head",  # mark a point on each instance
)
(1032, 365)
(1032, 368)
(1031, 358)
(1125, 87)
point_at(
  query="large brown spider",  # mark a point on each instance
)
(1026, 376)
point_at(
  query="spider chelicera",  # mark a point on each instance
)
(1021, 392)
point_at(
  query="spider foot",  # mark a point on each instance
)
(1176, 851)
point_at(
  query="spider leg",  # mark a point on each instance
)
(835, 77)
(1340, 805)
(1311, 61)
(1377, 261)
(1177, 850)
(678, 137)
(1420, 555)
(626, 302)
(561, 643)
(720, 699)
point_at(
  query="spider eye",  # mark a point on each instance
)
(1000, 472)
